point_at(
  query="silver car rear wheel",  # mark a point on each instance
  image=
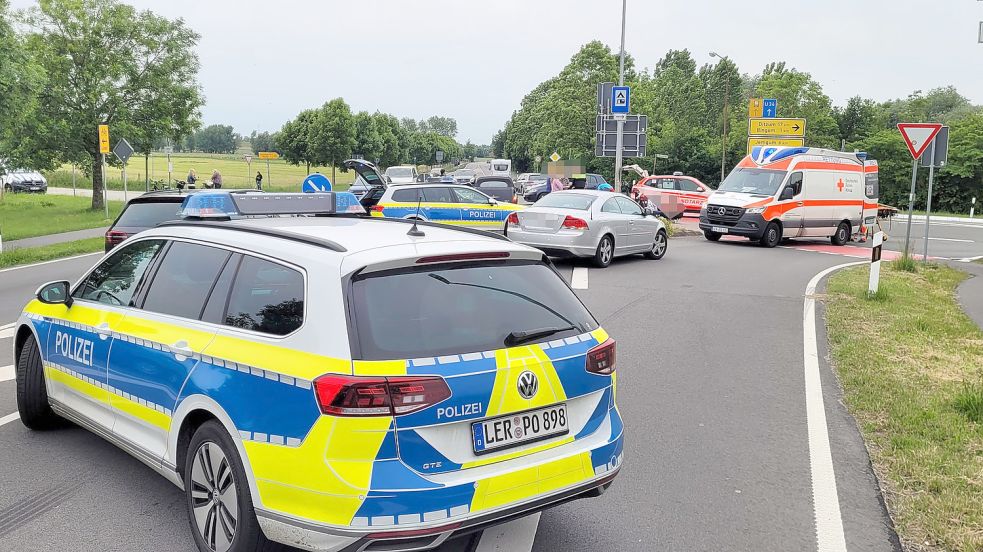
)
(214, 497)
(605, 252)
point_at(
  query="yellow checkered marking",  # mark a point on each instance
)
(129, 406)
(326, 478)
(531, 482)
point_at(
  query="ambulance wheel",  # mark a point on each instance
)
(605, 252)
(712, 236)
(220, 508)
(842, 234)
(772, 236)
(32, 395)
(659, 247)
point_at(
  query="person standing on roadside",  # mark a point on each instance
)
(556, 184)
(192, 178)
(259, 180)
(216, 179)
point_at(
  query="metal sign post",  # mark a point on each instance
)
(972, 207)
(103, 150)
(621, 82)
(123, 151)
(918, 137)
(249, 168)
(911, 206)
(268, 155)
(935, 156)
(105, 187)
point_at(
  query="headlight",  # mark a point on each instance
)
(755, 210)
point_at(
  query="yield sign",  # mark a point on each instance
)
(918, 136)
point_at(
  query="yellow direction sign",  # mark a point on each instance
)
(755, 108)
(103, 138)
(764, 141)
(269, 155)
(777, 127)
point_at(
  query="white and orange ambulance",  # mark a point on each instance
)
(778, 193)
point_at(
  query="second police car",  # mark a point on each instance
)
(324, 381)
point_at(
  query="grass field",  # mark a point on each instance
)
(911, 365)
(29, 215)
(49, 252)
(235, 172)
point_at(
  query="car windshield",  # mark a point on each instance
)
(753, 181)
(429, 311)
(148, 214)
(579, 202)
(464, 173)
(399, 172)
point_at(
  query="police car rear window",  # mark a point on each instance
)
(449, 309)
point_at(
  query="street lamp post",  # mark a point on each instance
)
(723, 136)
(618, 159)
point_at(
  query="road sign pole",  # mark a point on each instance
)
(124, 182)
(269, 181)
(911, 205)
(928, 206)
(249, 170)
(170, 169)
(621, 82)
(73, 180)
(105, 187)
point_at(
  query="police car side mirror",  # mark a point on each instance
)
(787, 193)
(56, 293)
(492, 201)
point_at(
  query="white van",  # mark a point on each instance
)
(500, 167)
(779, 193)
(402, 174)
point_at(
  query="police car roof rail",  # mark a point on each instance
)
(272, 232)
(429, 224)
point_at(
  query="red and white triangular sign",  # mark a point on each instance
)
(918, 136)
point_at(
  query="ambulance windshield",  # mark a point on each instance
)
(753, 181)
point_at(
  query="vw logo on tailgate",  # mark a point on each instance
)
(528, 384)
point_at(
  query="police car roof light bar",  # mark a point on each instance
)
(223, 205)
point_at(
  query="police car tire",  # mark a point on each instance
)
(32, 395)
(248, 536)
(772, 236)
(600, 260)
(842, 234)
(651, 254)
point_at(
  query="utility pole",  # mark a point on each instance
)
(621, 121)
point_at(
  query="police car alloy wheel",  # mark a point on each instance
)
(219, 505)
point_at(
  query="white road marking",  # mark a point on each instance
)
(952, 240)
(970, 259)
(6, 373)
(826, 502)
(9, 418)
(514, 536)
(7, 331)
(579, 278)
(49, 262)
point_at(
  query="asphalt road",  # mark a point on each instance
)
(711, 386)
(947, 239)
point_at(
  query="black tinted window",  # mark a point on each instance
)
(184, 279)
(148, 215)
(114, 281)
(795, 182)
(407, 196)
(266, 297)
(434, 194)
(687, 185)
(215, 307)
(431, 312)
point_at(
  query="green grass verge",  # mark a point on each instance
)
(30, 215)
(30, 255)
(911, 365)
(235, 172)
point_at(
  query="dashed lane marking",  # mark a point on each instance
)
(826, 502)
(9, 418)
(579, 278)
(6, 373)
(514, 536)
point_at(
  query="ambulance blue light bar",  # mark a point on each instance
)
(225, 205)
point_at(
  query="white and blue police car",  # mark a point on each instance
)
(315, 377)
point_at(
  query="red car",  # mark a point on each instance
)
(675, 194)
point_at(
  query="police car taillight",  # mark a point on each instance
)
(574, 223)
(602, 359)
(513, 219)
(371, 396)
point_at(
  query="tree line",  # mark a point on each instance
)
(684, 103)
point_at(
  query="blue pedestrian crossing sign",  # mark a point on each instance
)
(316, 183)
(620, 99)
(769, 108)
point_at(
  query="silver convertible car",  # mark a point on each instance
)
(589, 223)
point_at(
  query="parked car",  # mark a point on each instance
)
(588, 181)
(144, 212)
(403, 174)
(499, 187)
(24, 181)
(464, 176)
(525, 178)
(589, 223)
(675, 195)
(367, 177)
(535, 189)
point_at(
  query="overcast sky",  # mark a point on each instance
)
(263, 62)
